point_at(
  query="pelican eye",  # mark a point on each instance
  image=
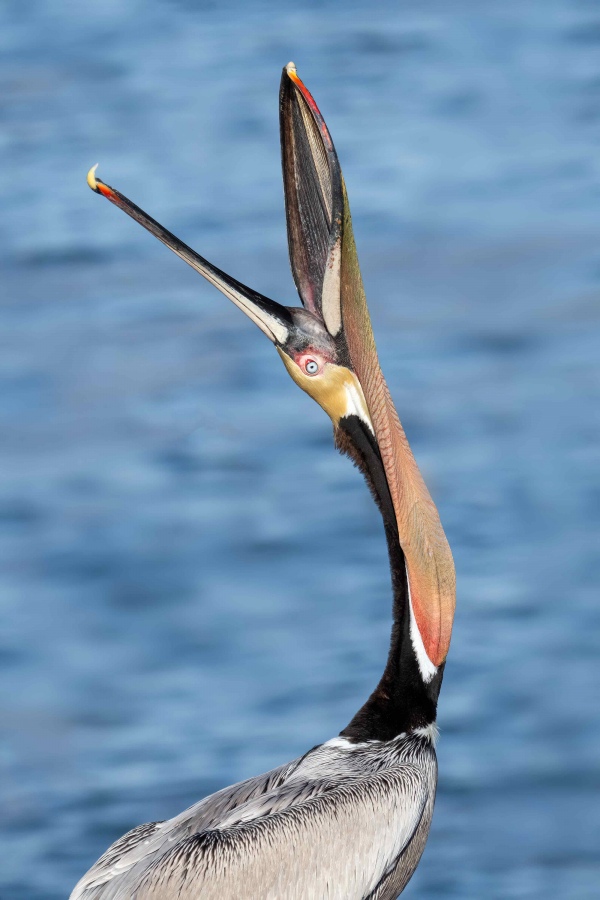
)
(311, 367)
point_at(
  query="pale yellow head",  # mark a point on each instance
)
(335, 388)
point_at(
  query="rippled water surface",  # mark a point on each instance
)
(193, 584)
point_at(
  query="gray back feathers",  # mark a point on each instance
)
(336, 823)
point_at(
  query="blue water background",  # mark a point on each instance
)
(193, 583)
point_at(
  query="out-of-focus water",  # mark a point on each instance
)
(193, 584)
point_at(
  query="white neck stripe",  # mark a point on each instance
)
(356, 404)
(426, 667)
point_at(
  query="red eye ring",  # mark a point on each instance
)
(311, 366)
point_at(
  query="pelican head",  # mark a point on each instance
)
(327, 347)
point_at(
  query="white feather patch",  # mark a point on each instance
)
(342, 743)
(431, 732)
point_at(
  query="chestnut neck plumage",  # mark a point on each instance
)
(403, 700)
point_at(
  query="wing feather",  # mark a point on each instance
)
(340, 822)
(132, 853)
(337, 845)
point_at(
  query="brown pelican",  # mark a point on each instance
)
(349, 819)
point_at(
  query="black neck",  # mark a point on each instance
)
(402, 701)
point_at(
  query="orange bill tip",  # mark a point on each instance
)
(105, 190)
(98, 186)
(293, 74)
(309, 99)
